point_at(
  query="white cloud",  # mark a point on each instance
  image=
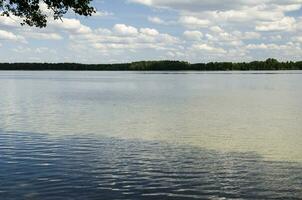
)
(216, 5)
(21, 49)
(197, 5)
(262, 15)
(299, 24)
(286, 51)
(251, 35)
(6, 35)
(193, 35)
(156, 20)
(38, 50)
(102, 14)
(123, 29)
(233, 38)
(240, 29)
(9, 21)
(247, 14)
(270, 46)
(103, 31)
(275, 37)
(285, 24)
(149, 31)
(193, 22)
(290, 7)
(42, 50)
(43, 36)
(127, 38)
(216, 29)
(160, 21)
(209, 49)
(262, 46)
(298, 39)
(73, 26)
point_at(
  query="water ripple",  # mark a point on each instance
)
(40, 166)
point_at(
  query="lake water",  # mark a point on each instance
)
(150, 135)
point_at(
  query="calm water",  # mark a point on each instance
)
(129, 135)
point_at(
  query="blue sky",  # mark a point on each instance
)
(132, 30)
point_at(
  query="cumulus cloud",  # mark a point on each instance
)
(262, 15)
(156, 20)
(43, 36)
(270, 46)
(193, 35)
(38, 50)
(9, 22)
(208, 49)
(216, 5)
(149, 31)
(160, 21)
(102, 14)
(298, 39)
(70, 25)
(193, 22)
(123, 38)
(193, 30)
(123, 29)
(228, 24)
(216, 29)
(6, 35)
(285, 24)
(197, 5)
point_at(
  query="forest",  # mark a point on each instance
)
(269, 64)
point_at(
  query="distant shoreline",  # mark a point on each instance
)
(268, 65)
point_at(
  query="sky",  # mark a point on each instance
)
(188, 30)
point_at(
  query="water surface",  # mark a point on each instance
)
(137, 135)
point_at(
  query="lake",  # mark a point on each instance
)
(150, 135)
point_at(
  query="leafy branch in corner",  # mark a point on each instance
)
(31, 11)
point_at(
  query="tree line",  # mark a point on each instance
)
(269, 64)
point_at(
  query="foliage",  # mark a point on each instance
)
(32, 14)
(269, 64)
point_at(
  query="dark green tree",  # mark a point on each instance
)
(270, 64)
(32, 15)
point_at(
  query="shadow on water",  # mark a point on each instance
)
(40, 166)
